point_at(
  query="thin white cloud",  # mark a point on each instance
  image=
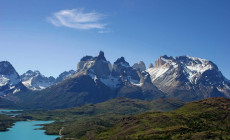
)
(77, 19)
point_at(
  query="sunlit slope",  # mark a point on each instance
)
(203, 119)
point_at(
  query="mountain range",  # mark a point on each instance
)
(97, 80)
(189, 78)
(34, 80)
(12, 82)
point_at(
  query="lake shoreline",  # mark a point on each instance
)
(8, 120)
(22, 129)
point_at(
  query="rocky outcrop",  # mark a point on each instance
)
(82, 62)
(10, 81)
(189, 78)
(95, 66)
(64, 75)
(139, 66)
(122, 69)
(150, 65)
(34, 80)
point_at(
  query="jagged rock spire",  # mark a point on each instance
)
(121, 61)
(101, 56)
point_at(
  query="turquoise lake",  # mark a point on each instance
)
(10, 112)
(25, 130)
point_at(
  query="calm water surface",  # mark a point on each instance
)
(10, 112)
(25, 130)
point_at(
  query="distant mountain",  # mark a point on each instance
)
(134, 83)
(96, 80)
(121, 78)
(10, 81)
(64, 75)
(34, 80)
(189, 78)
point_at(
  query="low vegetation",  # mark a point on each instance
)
(6, 122)
(124, 118)
(92, 119)
(204, 119)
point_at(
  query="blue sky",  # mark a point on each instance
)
(53, 35)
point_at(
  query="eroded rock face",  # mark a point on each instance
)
(65, 75)
(122, 69)
(80, 64)
(97, 66)
(139, 66)
(10, 81)
(34, 80)
(189, 78)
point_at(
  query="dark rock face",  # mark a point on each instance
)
(145, 90)
(150, 65)
(123, 69)
(6, 68)
(10, 81)
(86, 58)
(189, 78)
(73, 91)
(64, 75)
(101, 56)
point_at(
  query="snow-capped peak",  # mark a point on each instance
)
(8, 75)
(9, 78)
(36, 81)
(192, 67)
(121, 61)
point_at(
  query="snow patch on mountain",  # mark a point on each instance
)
(124, 64)
(168, 61)
(195, 68)
(192, 67)
(133, 81)
(111, 81)
(34, 80)
(28, 82)
(157, 72)
(16, 90)
(9, 79)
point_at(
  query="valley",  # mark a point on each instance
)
(125, 118)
